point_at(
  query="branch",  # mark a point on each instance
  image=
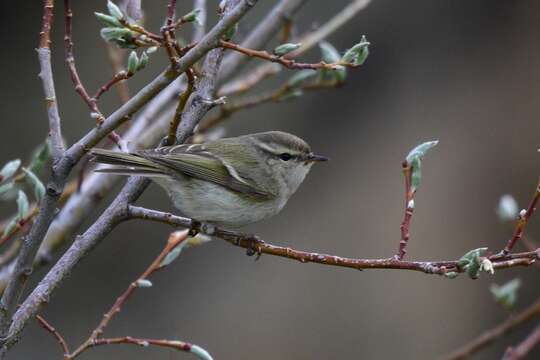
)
(75, 78)
(54, 333)
(23, 267)
(200, 25)
(524, 217)
(340, 19)
(175, 240)
(525, 347)
(288, 63)
(277, 95)
(490, 336)
(262, 34)
(253, 243)
(115, 213)
(308, 41)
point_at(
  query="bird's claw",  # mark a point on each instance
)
(254, 246)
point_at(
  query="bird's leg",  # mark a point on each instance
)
(254, 246)
(252, 242)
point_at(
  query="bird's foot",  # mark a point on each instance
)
(254, 246)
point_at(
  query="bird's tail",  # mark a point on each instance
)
(125, 163)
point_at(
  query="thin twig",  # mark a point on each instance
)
(116, 58)
(200, 24)
(75, 78)
(250, 242)
(55, 333)
(409, 208)
(491, 335)
(274, 96)
(175, 240)
(182, 100)
(119, 77)
(522, 221)
(261, 35)
(244, 84)
(288, 63)
(168, 33)
(525, 347)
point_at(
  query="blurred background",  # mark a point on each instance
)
(463, 72)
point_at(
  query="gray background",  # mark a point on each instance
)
(464, 72)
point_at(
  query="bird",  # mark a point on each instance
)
(228, 182)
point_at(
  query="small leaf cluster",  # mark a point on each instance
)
(473, 262)
(12, 175)
(329, 55)
(117, 29)
(414, 161)
(506, 295)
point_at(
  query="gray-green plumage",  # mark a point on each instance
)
(230, 182)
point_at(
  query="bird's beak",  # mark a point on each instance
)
(317, 158)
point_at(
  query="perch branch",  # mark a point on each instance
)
(250, 242)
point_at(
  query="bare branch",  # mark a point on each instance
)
(200, 25)
(288, 63)
(490, 336)
(253, 243)
(54, 333)
(337, 21)
(523, 220)
(526, 346)
(260, 36)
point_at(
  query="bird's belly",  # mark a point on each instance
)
(207, 202)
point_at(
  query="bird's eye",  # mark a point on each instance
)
(285, 156)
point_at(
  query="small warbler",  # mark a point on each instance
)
(228, 182)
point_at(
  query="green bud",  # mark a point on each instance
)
(230, 32)
(151, 49)
(506, 295)
(114, 10)
(22, 205)
(291, 94)
(108, 20)
(330, 55)
(143, 61)
(6, 189)
(451, 274)
(143, 283)
(11, 226)
(420, 150)
(416, 174)
(201, 353)
(358, 54)
(171, 256)
(37, 185)
(284, 49)
(133, 62)
(115, 34)
(39, 158)
(301, 77)
(9, 169)
(191, 16)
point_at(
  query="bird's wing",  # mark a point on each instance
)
(197, 162)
